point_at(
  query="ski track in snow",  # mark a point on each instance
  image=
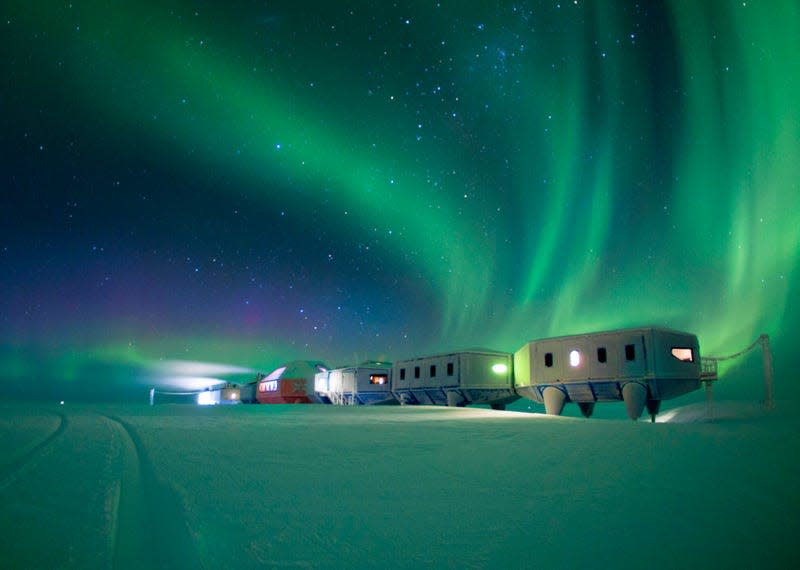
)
(30, 455)
(56, 490)
(320, 487)
(144, 502)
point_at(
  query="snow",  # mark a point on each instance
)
(92, 486)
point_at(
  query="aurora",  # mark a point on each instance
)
(246, 185)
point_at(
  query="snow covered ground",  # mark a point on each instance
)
(176, 486)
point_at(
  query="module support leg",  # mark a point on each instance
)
(653, 406)
(709, 400)
(554, 400)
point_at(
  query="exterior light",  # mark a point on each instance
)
(499, 368)
(208, 398)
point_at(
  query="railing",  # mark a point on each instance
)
(341, 398)
(709, 367)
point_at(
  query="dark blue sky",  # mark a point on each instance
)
(256, 182)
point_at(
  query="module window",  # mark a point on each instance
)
(548, 359)
(683, 354)
(630, 352)
(602, 355)
(378, 378)
(449, 368)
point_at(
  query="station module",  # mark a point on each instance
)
(640, 366)
(456, 379)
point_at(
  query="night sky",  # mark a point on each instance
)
(245, 183)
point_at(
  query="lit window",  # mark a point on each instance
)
(499, 368)
(268, 386)
(548, 359)
(630, 352)
(433, 371)
(378, 378)
(602, 356)
(449, 368)
(683, 354)
(574, 358)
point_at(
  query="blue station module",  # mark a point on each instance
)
(456, 379)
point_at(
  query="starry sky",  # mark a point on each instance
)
(245, 183)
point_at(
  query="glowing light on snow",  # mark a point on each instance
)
(574, 358)
(665, 417)
(499, 368)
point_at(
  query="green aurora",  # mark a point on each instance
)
(495, 174)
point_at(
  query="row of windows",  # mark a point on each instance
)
(432, 371)
(268, 386)
(575, 358)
